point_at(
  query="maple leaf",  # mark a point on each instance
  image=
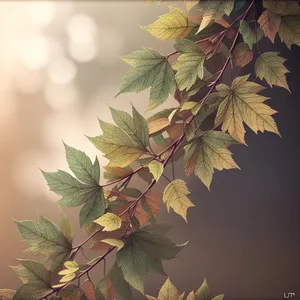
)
(269, 66)
(242, 55)
(242, 104)
(175, 197)
(171, 26)
(207, 152)
(289, 30)
(269, 23)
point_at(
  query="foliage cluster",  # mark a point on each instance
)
(210, 37)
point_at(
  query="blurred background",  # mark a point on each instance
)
(60, 68)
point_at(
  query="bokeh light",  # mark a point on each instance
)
(62, 70)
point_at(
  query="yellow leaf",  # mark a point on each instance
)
(168, 291)
(171, 26)
(157, 125)
(156, 168)
(68, 277)
(109, 221)
(189, 4)
(175, 197)
(191, 296)
(113, 242)
(269, 66)
(188, 105)
(71, 265)
(242, 104)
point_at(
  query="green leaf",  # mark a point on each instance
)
(168, 291)
(289, 30)
(6, 294)
(156, 168)
(117, 278)
(30, 291)
(143, 252)
(269, 66)
(71, 292)
(34, 273)
(213, 10)
(171, 26)
(81, 165)
(43, 237)
(219, 297)
(117, 146)
(175, 197)
(185, 46)
(71, 266)
(188, 105)
(242, 104)
(113, 242)
(203, 293)
(282, 8)
(249, 36)
(189, 67)
(93, 208)
(150, 69)
(114, 173)
(208, 152)
(136, 126)
(109, 221)
(66, 228)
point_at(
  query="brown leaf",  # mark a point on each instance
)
(242, 55)
(89, 290)
(158, 125)
(270, 23)
(153, 201)
(107, 289)
(175, 131)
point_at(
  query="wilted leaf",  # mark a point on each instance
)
(157, 125)
(242, 55)
(242, 104)
(269, 23)
(148, 207)
(175, 197)
(269, 66)
(171, 26)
